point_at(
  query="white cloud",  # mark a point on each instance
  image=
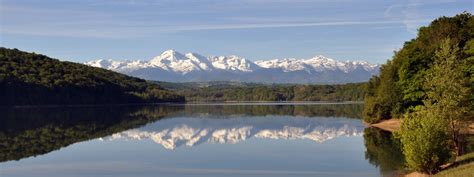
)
(143, 30)
(286, 25)
(45, 21)
(411, 14)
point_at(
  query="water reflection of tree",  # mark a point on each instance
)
(27, 132)
(35, 131)
(322, 110)
(383, 151)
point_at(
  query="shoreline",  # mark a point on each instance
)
(273, 103)
(392, 125)
(389, 125)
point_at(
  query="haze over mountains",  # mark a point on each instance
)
(172, 66)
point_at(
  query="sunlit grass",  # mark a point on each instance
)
(463, 167)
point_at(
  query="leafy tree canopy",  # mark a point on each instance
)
(400, 83)
(33, 79)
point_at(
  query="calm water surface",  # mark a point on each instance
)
(195, 140)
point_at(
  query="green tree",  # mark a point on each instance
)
(447, 91)
(383, 97)
(425, 140)
(401, 84)
(469, 67)
(431, 134)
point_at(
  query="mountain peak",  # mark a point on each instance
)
(169, 51)
(172, 55)
(320, 56)
(233, 63)
(195, 55)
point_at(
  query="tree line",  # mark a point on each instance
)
(33, 79)
(234, 91)
(428, 83)
(401, 84)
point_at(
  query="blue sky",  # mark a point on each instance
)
(84, 30)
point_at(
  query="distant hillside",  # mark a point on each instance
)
(215, 84)
(239, 91)
(33, 79)
(173, 66)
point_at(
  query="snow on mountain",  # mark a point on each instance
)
(201, 61)
(176, 132)
(107, 64)
(171, 60)
(119, 66)
(177, 67)
(233, 63)
(318, 63)
(287, 65)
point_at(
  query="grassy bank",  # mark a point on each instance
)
(463, 167)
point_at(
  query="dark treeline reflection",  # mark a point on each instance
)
(26, 132)
(306, 110)
(383, 151)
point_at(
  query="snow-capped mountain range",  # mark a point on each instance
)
(176, 132)
(173, 66)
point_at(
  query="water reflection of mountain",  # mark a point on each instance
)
(26, 132)
(176, 132)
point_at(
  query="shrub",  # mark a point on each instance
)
(425, 140)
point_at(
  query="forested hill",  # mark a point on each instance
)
(239, 91)
(33, 79)
(439, 60)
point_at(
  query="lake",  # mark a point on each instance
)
(258, 139)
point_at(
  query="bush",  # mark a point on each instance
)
(425, 140)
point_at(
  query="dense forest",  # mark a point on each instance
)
(428, 84)
(236, 91)
(400, 85)
(33, 79)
